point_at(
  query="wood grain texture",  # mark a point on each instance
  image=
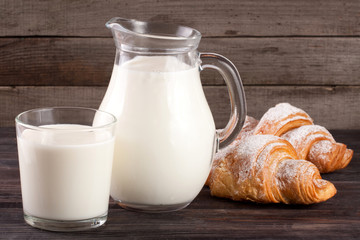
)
(59, 53)
(211, 17)
(332, 107)
(206, 217)
(260, 61)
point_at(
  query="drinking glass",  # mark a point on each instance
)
(65, 165)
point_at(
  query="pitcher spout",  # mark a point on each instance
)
(118, 23)
(151, 37)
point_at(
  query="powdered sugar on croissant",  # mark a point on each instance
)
(312, 142)
(247, 130)
(316, 144)
(264, 169)
(282, 118)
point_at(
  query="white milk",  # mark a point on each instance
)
(165, 133)
(65, 176)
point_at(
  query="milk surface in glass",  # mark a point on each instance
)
(65, 175)
(165, 132)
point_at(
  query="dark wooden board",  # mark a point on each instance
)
(207, 217)
(332, 107)
(211, 17)
(260, 61)
(304, 52)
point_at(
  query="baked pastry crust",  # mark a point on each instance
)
(282, 118)
(312, 142)
(315, 144)
(262, 164)
(265, 169)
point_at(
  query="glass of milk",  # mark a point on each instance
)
(65, 163)
(165, 134)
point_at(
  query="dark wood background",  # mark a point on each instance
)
(306, 52)
(56, 53)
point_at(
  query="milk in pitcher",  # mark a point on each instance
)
(165, 132)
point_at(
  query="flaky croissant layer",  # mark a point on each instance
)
(315, 144)
(312, 142)
(263, 168)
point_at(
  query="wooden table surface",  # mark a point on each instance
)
(207, 217)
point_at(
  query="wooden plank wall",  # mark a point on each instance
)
(58, 52)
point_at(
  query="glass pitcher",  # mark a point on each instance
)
(166, 136)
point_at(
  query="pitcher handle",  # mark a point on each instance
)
(236, 92)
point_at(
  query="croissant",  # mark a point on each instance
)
(312, 142)
(282, 118)
(263, 168)
(247, 130)
(317, 145)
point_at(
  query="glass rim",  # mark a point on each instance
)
(20, 122)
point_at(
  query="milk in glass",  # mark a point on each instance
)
(65, 175)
